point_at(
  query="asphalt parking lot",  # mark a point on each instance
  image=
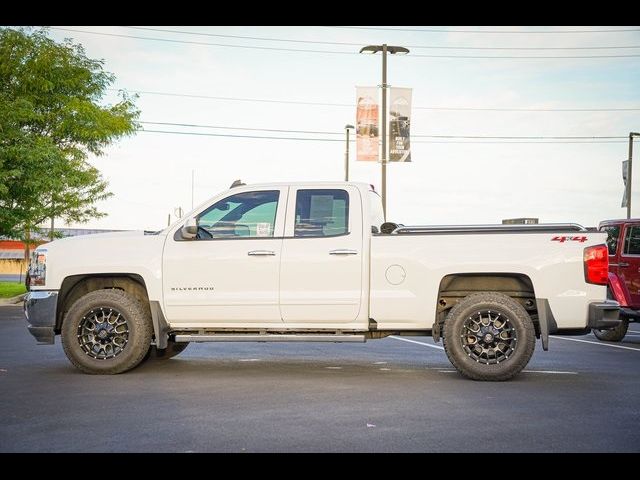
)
(386, 395)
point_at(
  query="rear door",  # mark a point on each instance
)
(629, 261)
(322, 257)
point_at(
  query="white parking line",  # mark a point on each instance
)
(556, 372)
(413, 341)
(595, 343)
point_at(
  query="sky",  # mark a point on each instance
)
(449, 181)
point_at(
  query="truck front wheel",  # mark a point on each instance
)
(489, 336)
(106, 332)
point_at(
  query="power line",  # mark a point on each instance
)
(502, 137)
(191, 42)
(300, 50)
(437, 30)
(242, 128)
(351, 105)
(174, 132)
(353, 44)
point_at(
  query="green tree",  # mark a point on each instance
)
(51, 119)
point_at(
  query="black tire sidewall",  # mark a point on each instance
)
(519, 319)
(615, 334)
(139, 332)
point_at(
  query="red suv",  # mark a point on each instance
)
(624, 273)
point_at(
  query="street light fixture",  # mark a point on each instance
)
(346, 153)
(393, 50)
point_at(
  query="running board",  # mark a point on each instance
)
(222, 337)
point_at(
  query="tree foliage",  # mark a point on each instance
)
(51, 120)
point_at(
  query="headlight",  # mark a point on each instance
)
(38, 268)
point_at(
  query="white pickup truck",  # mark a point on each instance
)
(316, 262)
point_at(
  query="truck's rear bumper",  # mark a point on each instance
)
(40, 312)
(604, 315)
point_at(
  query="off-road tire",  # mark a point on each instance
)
(138, 324)
(520, 323)
(614, 334)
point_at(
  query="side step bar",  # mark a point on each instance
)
(222, 337)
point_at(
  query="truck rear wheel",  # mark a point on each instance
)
(614, 334)
(106, 332)
(489, 336)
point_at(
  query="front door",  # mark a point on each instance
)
(228, 275)
(614, 245)
(322, 255)
(629, 264)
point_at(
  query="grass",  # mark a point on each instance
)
(11, 289)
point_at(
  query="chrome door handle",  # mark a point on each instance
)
(623, 264)
(259, 253)
(343, 251)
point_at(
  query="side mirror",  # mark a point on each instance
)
(190, 228)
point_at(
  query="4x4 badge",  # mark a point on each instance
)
(563, 239)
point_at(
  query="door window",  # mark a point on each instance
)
(613, 234)
(632, 241)
(244, 215)
(321, 213)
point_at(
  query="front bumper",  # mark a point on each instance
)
(40, 312)
(604, 315)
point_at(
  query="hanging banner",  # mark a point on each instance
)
(367, 121)
(399, 125)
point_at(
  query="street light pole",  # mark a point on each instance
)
(384, 48)
(631, 135)
(384, 131)
(346, 153)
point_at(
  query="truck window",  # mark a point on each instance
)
(321, 213)
(613, 234)
(248, 214)
(632, 241)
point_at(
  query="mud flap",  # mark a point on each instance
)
(160, 326)
(544, 318)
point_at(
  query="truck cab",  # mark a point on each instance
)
(623, 243)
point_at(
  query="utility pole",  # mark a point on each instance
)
(384, 48)
(192, 177)
(346, 154)
(628, 193)
(384, 131)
